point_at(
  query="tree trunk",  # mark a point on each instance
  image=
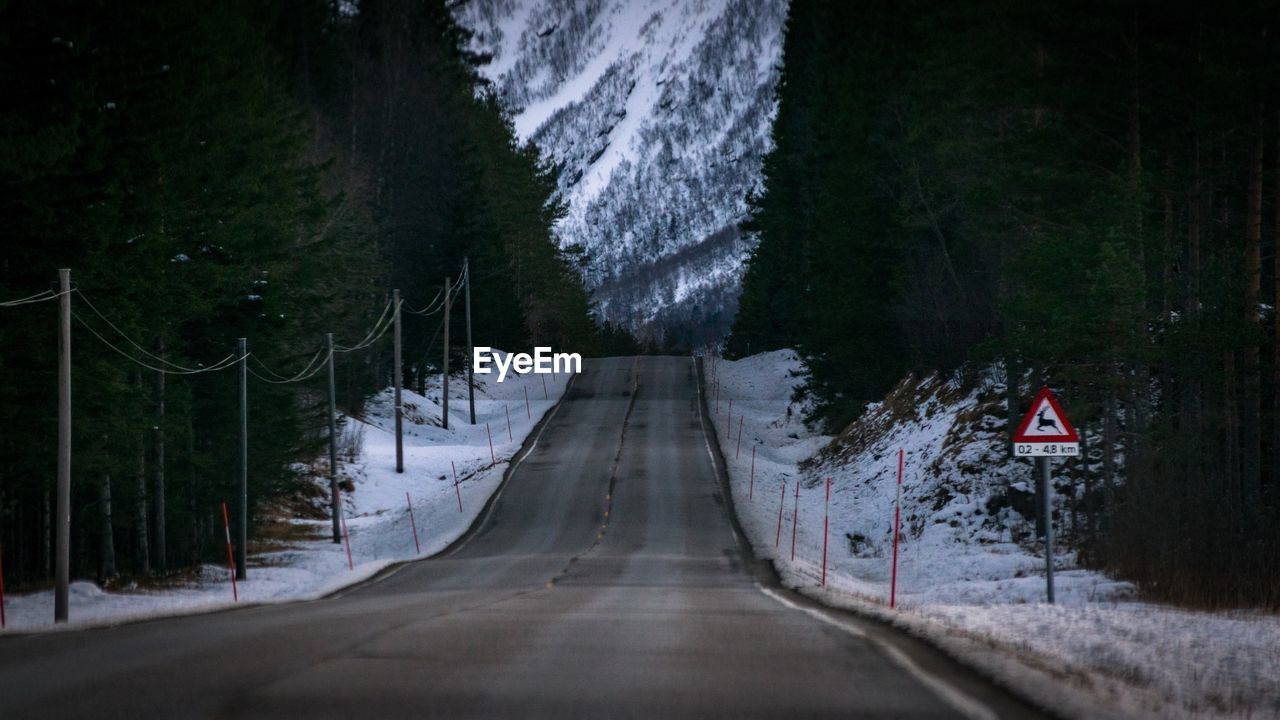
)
(142, 537)
(46, 535)
(1231, 434)
(1193, 396)
(1012, 397)
(1109, 450)
(106, 542)
(1167, 260)
(197, 532)
(140, 519)
(1275, 315)
(1193, 238)
(1251, 400)
(1137, 376)
(161, 548)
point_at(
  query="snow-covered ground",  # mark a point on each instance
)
(377, 512)
(970, 577)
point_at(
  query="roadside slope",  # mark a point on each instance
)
(308, 565)
(970, 574)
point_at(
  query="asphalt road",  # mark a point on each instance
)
(605, 580)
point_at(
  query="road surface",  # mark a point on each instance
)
(605, 580)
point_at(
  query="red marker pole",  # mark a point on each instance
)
(731, 409)
(347, 537)
(751, 488)
(826, 515)
(492, 459)
(738, 452)
(897, 516)
(413, 524)
(527, 412)
(455, 484)
(545, 396)
(231, 560)
(795, 519)
(781, 503)
(510, 437)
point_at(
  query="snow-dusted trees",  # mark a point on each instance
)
(254, 169)
(1080, 193)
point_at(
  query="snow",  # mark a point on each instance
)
(376, 512)
(658, 115)
(970, 575)
(655, 33)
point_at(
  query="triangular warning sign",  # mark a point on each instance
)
(1046, 422)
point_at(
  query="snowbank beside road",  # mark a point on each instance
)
(970, 575)
(377, 512)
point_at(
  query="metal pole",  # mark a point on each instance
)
(444, 392)
(396, 382)
(62, 572)
(1048, 527)
(471, 383)
(333, 444)
(242, 522)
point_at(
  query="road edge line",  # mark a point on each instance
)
(958, 700)
(530, 442)
(766, 574)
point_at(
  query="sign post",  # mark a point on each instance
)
(1046, 433)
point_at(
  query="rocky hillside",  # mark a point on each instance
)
(656, 114)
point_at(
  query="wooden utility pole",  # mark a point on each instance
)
(333, 443)
(398, 379)
(471, 383)
(242, 522)
(62, 572)
(444, 391)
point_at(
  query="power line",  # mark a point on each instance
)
(373, 335)
(222, 364)
(162, 365)
(426, 354)
(32, 299)
(428, 309)
(305, 373)
(457, 284)
(130, 340)
(437, 304)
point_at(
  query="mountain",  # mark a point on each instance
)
(656, 114)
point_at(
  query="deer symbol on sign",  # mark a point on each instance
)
(1043, 422)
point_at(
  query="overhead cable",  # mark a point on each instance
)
(377, 332)
(32, 299)
(121, 333)
(222, 364)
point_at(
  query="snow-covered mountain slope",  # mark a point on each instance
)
(656, 114)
